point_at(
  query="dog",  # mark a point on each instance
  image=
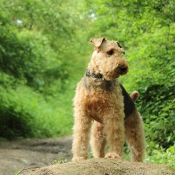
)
(102, 102)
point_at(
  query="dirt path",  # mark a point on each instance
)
(15, 155)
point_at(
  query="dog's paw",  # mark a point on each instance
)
(76, 159)
(112, 155)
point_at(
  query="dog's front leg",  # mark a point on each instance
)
(114, 130)
(98, 140)
(81, 131)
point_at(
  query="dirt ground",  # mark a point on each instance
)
(37, 155)
(101, 167)
(18, 154)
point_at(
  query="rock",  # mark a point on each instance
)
(101, 167)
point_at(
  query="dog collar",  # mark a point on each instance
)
(93, 75)
(99, 80)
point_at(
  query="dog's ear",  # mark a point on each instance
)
(121, 47)
(97, 42)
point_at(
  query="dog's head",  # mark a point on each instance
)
(107, 59)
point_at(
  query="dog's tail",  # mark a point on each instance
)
(134, 95)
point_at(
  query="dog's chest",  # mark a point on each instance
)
(98, 103)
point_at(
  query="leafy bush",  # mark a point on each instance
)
(157, 107)
(17, 112)
(24, 113)
(160, 155)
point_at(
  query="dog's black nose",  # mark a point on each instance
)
(123, 69)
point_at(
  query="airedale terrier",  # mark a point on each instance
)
(102, 99)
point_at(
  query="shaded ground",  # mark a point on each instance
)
(15, 155)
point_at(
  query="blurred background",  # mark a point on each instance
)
(44, 51)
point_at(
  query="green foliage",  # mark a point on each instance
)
(28, 56)
(17, 112)
(34, 69)
(162, 156)
(25, 113)
(157, 106)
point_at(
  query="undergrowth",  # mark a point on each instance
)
(160, 155)
(25, 113)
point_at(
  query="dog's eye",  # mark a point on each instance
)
(110, 52)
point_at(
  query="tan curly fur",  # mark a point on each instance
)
(102, 102)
